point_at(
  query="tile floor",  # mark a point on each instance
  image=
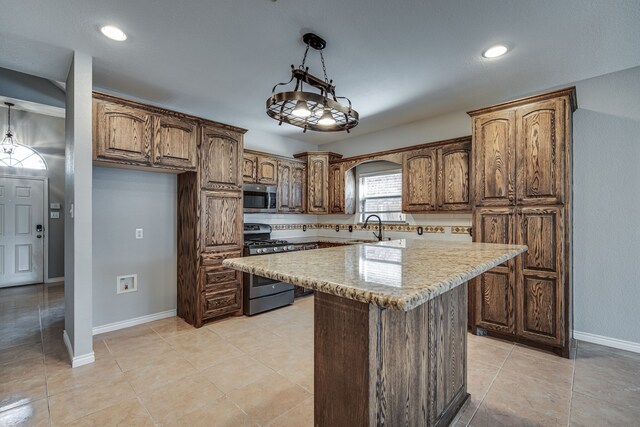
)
(259, 371)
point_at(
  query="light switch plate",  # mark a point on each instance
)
(139, 233)
(127, 283)
(55, 215)
(55, 205)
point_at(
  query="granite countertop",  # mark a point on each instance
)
(397, 274)
(314, 239)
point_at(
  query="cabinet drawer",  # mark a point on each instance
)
(221, 300)
(217, 275)
(215, 259)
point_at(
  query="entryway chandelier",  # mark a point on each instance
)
(319, 111)
(8, 143)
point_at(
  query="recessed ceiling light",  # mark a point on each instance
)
(495, 51)
(114, 33)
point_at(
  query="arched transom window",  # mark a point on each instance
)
(22, 157)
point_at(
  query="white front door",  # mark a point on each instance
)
(21, 231)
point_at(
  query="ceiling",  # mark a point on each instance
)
(399, 61)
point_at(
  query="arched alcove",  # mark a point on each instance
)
(22, 157)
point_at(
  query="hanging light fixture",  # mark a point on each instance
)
(8, 143)
(319, 110)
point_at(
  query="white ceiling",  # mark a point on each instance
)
(399, 61)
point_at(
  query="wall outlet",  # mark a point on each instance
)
(55, 215)
(127, 283)
(139, 233)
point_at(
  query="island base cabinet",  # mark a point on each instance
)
(378, 366)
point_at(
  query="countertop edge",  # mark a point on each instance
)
(404, 303)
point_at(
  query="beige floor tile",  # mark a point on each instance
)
(62, 377)
(145, 340)
(21, 352)
(543, 354)
(544, 368)
(169, 403)
(74, 404)
(194, 340)
(170, 326)
(299, 371)
(479, 378)
(22, 390)
(253, 341)
(487, 353)
(234, 326)
(163, 371)
(34, 414)
(129, 413)
(608, 384)
(21, 369)
(496, 342)
(587, 412)
(144, 357)
(208, 356)
(268, 398)
(300, 416)
(236, 373)
(221, 413)
(515, 399)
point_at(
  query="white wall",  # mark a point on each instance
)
(77, 229)
(124, 200)
(606, 189)
(275, 144)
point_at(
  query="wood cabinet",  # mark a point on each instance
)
(522, 188)
(220, 159)
(419, 175)
(122, 133)
(318, 180)
(292, 183)
(453, 177)
(249, 168)
(209, 158)
(175, 142)
(342, 188)
(267, 170)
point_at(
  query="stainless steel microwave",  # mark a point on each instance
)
(259, 198)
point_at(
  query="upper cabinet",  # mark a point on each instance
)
(453, 177)
(318, 180)
(175, 142)
(292, 181)
(419, 175)
(267, 170)
(249, 168)
(540, 129)
(495, 158)
(122, 133)
(221, 159)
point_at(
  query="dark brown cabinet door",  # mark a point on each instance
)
(494, 163)
(175, 143)
(221, 226)
(539, 274)
(284, 187)
(419, 176)
(453, 177)
(267, 170)
(540, 153)
(249, 168)
(220, 163)
(336, 188)
(298, 187)
(318, 184)
(495, 290)
(122, 133)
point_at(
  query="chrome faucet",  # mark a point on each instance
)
(379, 234)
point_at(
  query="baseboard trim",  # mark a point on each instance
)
(607, 341)
(133, 322)
(54, 279)
(76, 361)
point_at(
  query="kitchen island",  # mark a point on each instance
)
(390, 326)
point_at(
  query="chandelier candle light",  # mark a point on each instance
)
(8, 143)
(319, 111)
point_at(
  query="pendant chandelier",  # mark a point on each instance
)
(319, 110)
(8, 143)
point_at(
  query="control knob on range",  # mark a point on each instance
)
(291, 247)
(259, 251)
(276, 249)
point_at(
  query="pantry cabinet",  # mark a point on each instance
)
(522, 188)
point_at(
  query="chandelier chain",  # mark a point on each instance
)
(324, 68)
(304, 58)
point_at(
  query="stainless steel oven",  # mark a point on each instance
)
(259, 198)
